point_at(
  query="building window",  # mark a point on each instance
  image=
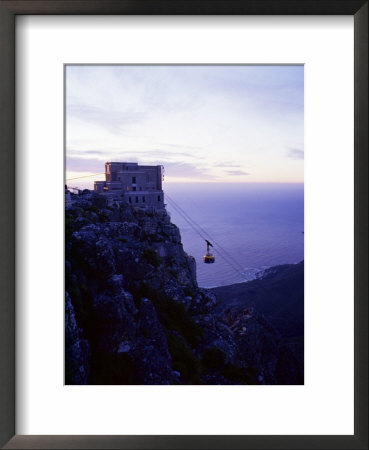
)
(134, 188)
(159, 199)
(130, 199)
(140, 188)
(143, 199)
(133, 179)
(136, 199)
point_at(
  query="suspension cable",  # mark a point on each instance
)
(240, 268)
(203, 234)
(86, 176)
(217, 250)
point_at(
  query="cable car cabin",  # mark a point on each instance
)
(208, 257)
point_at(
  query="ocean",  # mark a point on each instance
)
(252, 227)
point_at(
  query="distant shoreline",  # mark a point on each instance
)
(258, 276)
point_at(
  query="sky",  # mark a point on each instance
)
(207, 123)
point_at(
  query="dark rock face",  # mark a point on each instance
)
(135, 315)
(277, 301)
(150, 349)
(76, 349)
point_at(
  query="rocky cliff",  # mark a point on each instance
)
(277, 298)
(135, 314)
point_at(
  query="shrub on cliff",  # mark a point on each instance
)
(183, 359)
(213, 359)
(151, 257)
(172, 315)
(112, 368)
(68, 226)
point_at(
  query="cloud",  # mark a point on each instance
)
(73, 152)
(74, 164)
(165, 154)
(178, 169)
(225, 164)
(82, 160)
(184, 169)
(94, 152)
(153, 156)
(113, 120)
(191, 147)
(235, 119)
(236, 172)
(296, 153)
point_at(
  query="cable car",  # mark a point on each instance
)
(208, 258)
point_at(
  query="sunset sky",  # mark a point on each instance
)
(210, 123)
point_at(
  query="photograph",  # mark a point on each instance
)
(194, 272)
(184, 224)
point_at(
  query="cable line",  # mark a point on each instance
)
(217, 250)
(204, 235)
(229, 256)
(86, 176)
(240, 268)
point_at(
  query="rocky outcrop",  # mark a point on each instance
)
(276, 301)
(135, 314)
(77, 350)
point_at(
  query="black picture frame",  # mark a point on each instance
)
(8, 11)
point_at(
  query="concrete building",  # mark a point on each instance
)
(133, 184)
